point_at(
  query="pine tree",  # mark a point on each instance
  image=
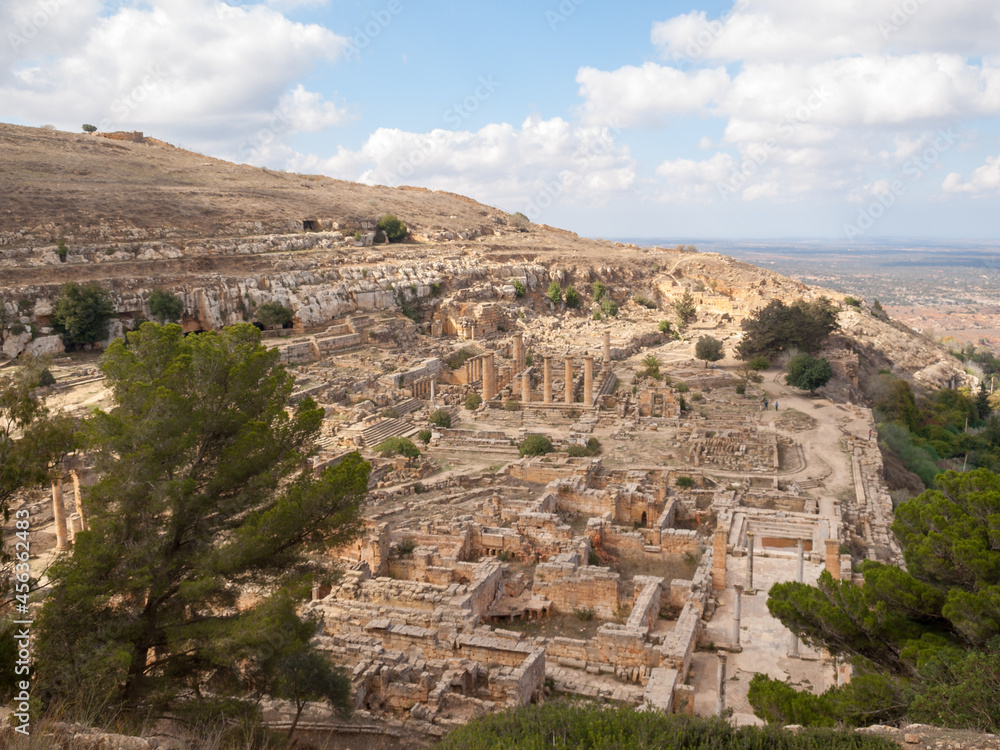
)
(203, 492)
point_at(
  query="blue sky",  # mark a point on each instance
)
(843, 119)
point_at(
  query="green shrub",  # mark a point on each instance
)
(684, 482)
(88, 128)
(584, 613)
(682, 387)
(609, 307)
(535, 445)
(646, 302)
(598, 290)
(81, 313)
(697, 396)
(519, 289)
(397, 446)
(46, 378)
(441, 418)
(473, 401)
(597, 315)
(424, 436)
(395, 230)
(519, 221)
(852, 301)
(165, 306)
(389, 412)
(572, 297)
(512, 404)
(759, 363)
(554, 293)
(62, 251)
(665, 327)
(273, 315)
(586, 725)
(741, 388)
(406, 546)
(436, 289)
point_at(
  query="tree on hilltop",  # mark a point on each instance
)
(203, 490)
(778, 327)
(395, 230)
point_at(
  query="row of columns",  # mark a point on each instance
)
(65, 528)
(588, 380)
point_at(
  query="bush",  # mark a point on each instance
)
(586, 725)
(598, 290)
(584, 613)
(609, 307)
(512, 405)
(554, 293)
(808, 372)
(397, 446)
(46, 378)
(424, 436)
(684, 482)
(473, 401)
(741, 388)
(88, 128)
(682, 387)
(406, 546)
(535, 445)
(441, 418)
(592, 448)
(852, 301)
(273, 315)
(519, 290)
(759, 363)
(81, 313)
(395, 230)
(572, 297)
(665, 327)
(62, 251)
(651, 367)
(597, 315)
(644, 301)
(389, 412)
(165, 306)
(519, 221)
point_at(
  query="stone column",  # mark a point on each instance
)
(569, 379)
(720, 685)
(489, 377)
(547, 382)
(832, 562)
(607, 347)
(518, 352)
(737, 612)
(432, 391)
(799, 575)
(526, 387)
(750, 561)
(472, 332)
(78, 498)
(588, 381)
(719, 543)
(59, 511)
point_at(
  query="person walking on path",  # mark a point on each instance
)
(776, 404)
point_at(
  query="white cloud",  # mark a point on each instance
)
(782, 30)
(647, 95)
(830, 98)
(985, 180)
(499, 164)
(201, 71)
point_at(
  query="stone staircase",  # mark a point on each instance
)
(386, 428)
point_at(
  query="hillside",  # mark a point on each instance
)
(136, 216)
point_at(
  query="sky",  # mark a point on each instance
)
(849, 120)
